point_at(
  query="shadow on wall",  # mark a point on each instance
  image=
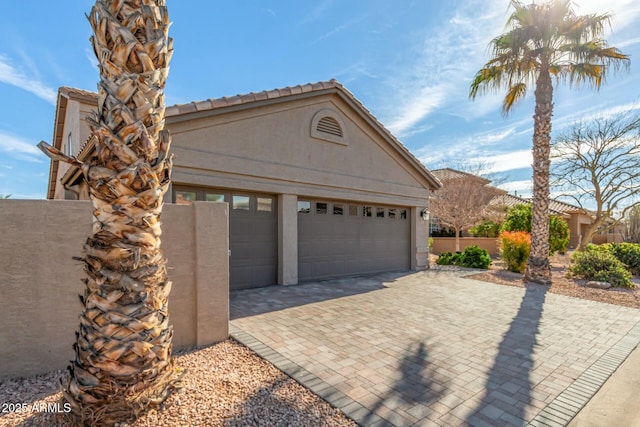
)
(418, 386)
(507, 392)
(252, 302)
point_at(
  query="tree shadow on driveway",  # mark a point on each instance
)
(508, 390)
(418, 386)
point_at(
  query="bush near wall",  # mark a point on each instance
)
(515, 246)
(598, 263)
(627, 253)
(471, 257)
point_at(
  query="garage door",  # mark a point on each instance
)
(340, 239)
(253, 239)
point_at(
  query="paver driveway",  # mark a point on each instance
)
(436, 348)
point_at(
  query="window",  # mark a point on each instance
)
(338, 209)
(367, 211)
(185, 197)
(353, 210)
(69, 144)
(240, 203)
(265, 204)
(321, 208)
(380, 212)
(327, 125)
(403, 214)
(304, 206)
(392, 213)
(214, 197)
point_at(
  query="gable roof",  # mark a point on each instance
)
(225, 104)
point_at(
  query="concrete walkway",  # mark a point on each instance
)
(437, 349)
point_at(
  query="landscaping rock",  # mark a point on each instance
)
(598, 285)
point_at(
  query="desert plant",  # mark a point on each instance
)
(486, 229)
(600, 265)
(474, 257)
(123, 364)
(471, 257)
(448, 258)
(519, 219)
(558, 235)
(628, 254)
(515, 248)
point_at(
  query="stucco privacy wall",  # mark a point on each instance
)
(448, 244)
(40, 283)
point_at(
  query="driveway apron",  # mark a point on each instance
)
(434, 348)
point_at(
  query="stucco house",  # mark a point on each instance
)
(317, 187)
(577, 218)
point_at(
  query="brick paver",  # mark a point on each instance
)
(436, 348)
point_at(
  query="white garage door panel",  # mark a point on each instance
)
(338, 245)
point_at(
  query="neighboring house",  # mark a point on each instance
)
(577, 218)
(316, 186)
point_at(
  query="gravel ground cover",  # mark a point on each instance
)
(563, 285)
(224, 385)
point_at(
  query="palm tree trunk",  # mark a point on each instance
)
(123, 359)
(538, 269)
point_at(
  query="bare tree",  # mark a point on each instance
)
(463, 201)
(597, 163)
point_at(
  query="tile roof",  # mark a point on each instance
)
(274, 94)
(449, 173)
(227, 101)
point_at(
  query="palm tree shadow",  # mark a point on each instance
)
(418, 385)
(508, 390)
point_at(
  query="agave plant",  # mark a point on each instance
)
(123, 361)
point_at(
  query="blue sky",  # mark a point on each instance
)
(409, 62)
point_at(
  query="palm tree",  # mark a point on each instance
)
(545, 41)
(123, 361)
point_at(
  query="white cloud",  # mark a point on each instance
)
(441, 65)
(20, 149)
(12, 76)
(523, 188)
(417, 108)
(507, 161)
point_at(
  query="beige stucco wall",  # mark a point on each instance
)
(40, 283)
(75, 124)
(448, 244)
(270, 149)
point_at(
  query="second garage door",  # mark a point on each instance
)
(340, 239)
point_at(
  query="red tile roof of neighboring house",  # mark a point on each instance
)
(448, 173)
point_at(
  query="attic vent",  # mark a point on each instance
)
(328, 126)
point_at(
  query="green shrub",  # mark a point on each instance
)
(474, 257)
(430, 242)
(515, 246)
(448, 258)
(601, 265)
(486, 229)
(558, 235)
(628, 254)
(518, 218)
